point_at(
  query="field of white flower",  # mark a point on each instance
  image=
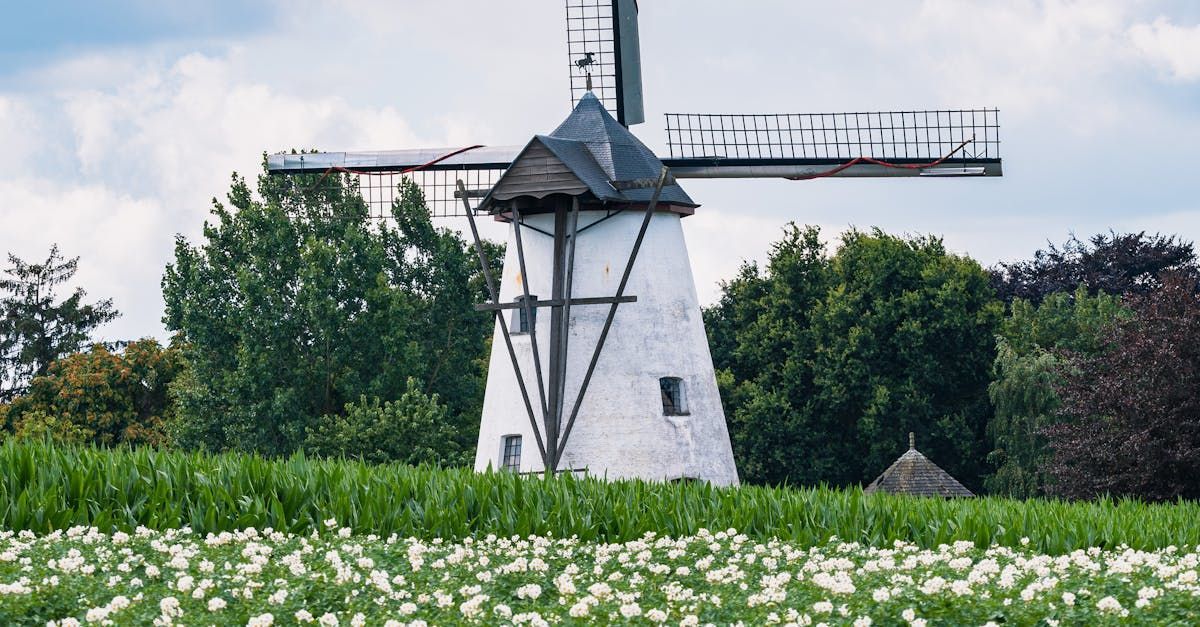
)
(335, 577)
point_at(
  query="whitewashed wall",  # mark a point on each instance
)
(621, 430)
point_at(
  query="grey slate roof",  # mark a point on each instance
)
(602, 154)
(914, 474)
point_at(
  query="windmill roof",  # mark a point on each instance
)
(576, 156)
(605, 156)
(914, 474)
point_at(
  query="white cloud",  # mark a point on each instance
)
(147, 152)
(1174, 49)
(122, 242)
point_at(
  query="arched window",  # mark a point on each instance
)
(674, 400)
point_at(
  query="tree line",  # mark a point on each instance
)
(1069, 374)
(299, 322)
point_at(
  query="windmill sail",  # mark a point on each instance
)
(797, 146)
(962, 142)
(604, 56)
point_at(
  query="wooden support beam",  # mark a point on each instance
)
(558, 302)
(495, 294)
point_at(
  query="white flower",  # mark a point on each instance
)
(1068, 598)
(822, 607)
(262, 620)
(631, 610)
(303, 616)
(328, 620)
(216, 604)
(1108, 604)
(169, 606)
(656, 616)
(529, 591)
(908, 615)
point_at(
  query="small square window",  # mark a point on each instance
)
(521, 322)
(510, 458)
(673, 400)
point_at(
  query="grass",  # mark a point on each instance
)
(46, 487)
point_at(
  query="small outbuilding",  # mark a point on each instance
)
(915, 475)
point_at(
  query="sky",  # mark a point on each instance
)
(121, 121)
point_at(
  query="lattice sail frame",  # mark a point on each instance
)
(590, 29)
(898, 136)
(379, 189)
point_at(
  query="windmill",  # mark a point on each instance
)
(600, 362)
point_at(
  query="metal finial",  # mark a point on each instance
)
(912, 440)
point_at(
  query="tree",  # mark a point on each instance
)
(35, 330)
(102, 397)
(1125, 263)
(834, 359)
(1031, 347)
(411, 430)
(1131, 413)
(298, 303)
(760, 334)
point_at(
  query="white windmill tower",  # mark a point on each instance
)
(595, 223)
(599, 358)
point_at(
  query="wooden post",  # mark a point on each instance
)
(529, 314)
(495, 295)
(557, 361)
(565, 333)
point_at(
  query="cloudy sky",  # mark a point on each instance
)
(119, 121)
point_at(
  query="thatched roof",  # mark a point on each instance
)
(914, 474)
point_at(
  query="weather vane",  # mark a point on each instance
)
(585, 64)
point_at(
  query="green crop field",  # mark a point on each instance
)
(144, 536)
(45, 487)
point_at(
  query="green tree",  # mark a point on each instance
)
(102, 397)
(827, 361)
(1033, 342)
(761, 340)
(298, 302)
(36, 329)
(412, 430)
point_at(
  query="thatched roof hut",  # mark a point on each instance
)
(914, 474)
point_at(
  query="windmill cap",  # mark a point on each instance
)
(619, 152)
